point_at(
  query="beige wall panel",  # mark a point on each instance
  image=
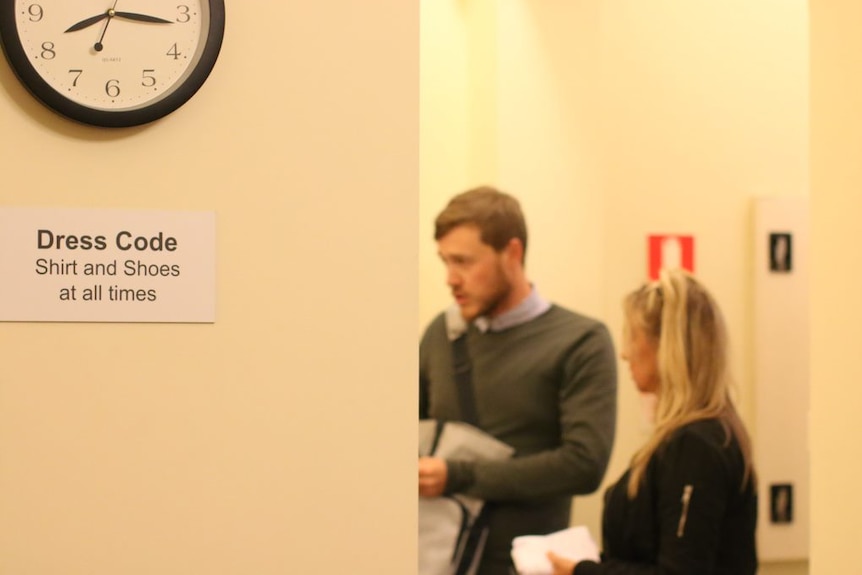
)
(836, 281)
(263, 443)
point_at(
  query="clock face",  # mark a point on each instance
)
(112, 62)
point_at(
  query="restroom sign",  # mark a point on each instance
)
(670, 252)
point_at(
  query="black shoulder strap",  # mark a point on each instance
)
(464, 380)
(475, 540)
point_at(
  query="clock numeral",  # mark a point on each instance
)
(112, 88)
(35, 12)
(184, 14)
(174, 51)
(48, 52)
(77, 74)
(148, 80)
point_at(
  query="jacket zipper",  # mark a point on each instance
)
(686, 498)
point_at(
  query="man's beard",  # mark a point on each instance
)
(496, 299)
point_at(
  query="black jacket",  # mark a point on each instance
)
(690, 516)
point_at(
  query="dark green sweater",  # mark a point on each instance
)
(547, 388)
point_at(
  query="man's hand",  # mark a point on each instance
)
(561, 565)
(432, 476)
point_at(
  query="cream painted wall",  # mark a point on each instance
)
(262, 443)
(445, 161)
(458, 119)
(548, 157)
(836, 177)
(620, 119)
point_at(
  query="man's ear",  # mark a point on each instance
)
(514, 251)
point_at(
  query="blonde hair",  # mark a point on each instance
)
(680, 315)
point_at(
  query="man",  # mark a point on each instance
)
(543, 378)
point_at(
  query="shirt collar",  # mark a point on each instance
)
(530, 308)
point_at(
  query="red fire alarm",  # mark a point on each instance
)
(670, 252)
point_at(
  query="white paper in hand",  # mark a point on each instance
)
(529, 552)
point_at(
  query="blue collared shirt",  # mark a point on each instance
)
(532, 307)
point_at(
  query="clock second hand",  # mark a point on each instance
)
(99, 46)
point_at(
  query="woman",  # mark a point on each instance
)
(688, 503)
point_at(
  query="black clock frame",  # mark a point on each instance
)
(42, 91)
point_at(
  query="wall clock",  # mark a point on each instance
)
(112, 63)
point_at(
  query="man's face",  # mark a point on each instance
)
(475, 273)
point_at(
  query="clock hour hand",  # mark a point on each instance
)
(141, 18)
(87, 22)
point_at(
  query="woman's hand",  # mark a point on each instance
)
(561, 565)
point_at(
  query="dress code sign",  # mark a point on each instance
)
(106, 265)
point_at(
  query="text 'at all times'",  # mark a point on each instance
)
(114, 293)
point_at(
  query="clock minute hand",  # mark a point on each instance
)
(87, 22)
(141, 18)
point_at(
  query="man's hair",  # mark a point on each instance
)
(497, 215)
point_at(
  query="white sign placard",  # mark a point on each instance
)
(106, 265)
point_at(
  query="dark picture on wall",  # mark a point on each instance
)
(780, 252)
(781, 503)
